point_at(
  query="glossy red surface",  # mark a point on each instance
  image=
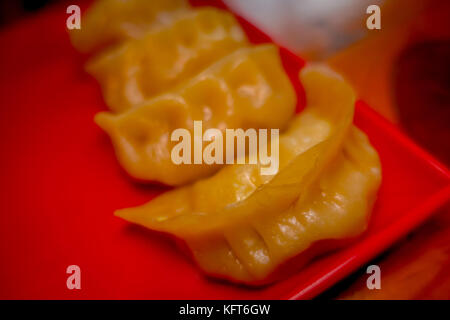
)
(60, 183)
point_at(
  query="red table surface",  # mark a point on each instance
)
(60, 183)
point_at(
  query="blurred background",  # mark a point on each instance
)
(402, 71)
(11, 10)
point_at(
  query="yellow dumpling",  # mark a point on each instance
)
(247, 89)
(241, 225)
(109, 22)
(161, 59)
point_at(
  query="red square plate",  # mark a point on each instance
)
(60, 183)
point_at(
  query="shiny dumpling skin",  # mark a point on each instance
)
(109, 22)
(161, 59)
(246, 89)
(337, 206)
(322, 120)
(241, 226)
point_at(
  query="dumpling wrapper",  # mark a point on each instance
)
(246, 89)
(161, 59)
(109, 22)
(242, 226)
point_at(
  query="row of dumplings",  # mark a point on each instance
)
(162, 65)
(175, 64)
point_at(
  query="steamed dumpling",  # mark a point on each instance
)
(246, 89)
(161, 59)
(109, 22)
(242, 226)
